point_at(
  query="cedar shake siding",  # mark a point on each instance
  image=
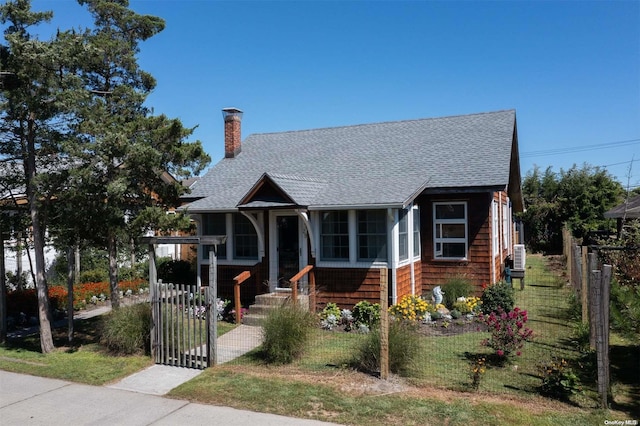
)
(476, 268)
(403, 282)
(346, 286)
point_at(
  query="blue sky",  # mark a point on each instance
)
(570, 69)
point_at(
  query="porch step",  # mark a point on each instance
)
(266, 302)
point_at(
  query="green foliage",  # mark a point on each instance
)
(462, 307)
(625, 309)
(127, 330)
(177, 272)
(286, 332)
(93, 276)
(498, 297)
(330, 309)
(578, 197)
(580, 337)
(366, 313)
(404, 349)
(558, 379)
(455, 288)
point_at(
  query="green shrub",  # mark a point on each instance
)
(496, 297)
(330, 309)
(454, 288)
(94, 276)
(455, 314)
(558, 379)
(366, 313)
(404, 349)
(286, 332)
(462, 307)
(127, 330)
(177, 272)
(581, 336)
(625, 309)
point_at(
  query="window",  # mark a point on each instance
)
(372, 235)
(416, 232)
(245, 238)
(334, 236)
(450, 230)
(495, 229)
(505, 225)
(214, 224)
(403, 235)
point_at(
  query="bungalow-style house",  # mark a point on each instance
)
(424, 200)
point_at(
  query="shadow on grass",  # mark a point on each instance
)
(86, 332)
(625, 369)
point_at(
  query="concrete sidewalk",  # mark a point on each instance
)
(40, 401)
(160, 379)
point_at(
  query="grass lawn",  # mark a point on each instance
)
(85, 362)
(321, 386)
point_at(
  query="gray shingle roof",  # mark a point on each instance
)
(629, 209)
(366, 165)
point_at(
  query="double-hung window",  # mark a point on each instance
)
(495, 228)
(214, 224)
(245, 239)
(334, 239)
(416, 232)
(372, 235)
(450, 222)
(403, 235)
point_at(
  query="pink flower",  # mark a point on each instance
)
(518, 353)
(500, 352)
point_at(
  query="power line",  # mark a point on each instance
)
(592, 147)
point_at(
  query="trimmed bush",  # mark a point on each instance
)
(498, 297)
(366, 313)
(455, 288)
(127, 330)
(286, 332)
(404, 349)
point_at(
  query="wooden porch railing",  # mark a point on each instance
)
(242, 277)
(312, 286)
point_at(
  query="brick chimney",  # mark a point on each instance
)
(232, 141)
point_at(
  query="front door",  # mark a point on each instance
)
(288, 248)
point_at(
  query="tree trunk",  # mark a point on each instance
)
(3, 291)
(70, 280)
(19, 260)
(44, 313)
(113, 272)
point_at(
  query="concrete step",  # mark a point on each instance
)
(253, 319)
(272, 299)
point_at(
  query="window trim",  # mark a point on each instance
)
(451, 240)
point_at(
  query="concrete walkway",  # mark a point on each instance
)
(160, 379)
(29, 400)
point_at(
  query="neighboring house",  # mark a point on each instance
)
(629, 210)
(427, 199)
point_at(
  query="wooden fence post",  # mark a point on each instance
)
(156, 315)
(593, 318)
(384, 324)
(584, 293)
(604, 323)
(212, 317)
